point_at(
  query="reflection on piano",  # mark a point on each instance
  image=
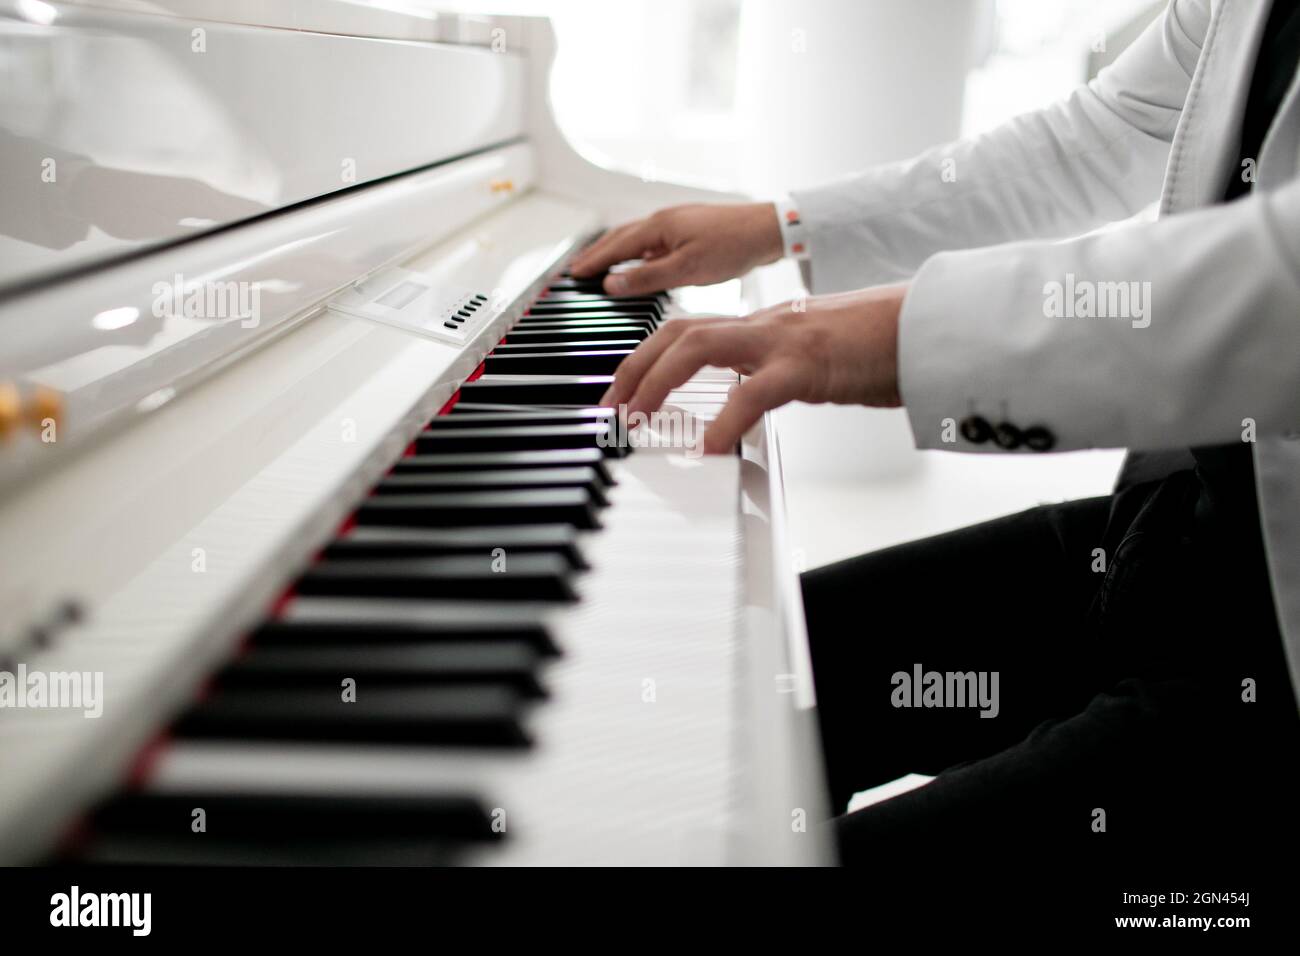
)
(321, 487)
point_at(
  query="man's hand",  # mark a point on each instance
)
(685, 245)
(841, 348)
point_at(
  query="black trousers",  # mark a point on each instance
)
(1145, 715)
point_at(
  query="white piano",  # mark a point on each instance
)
(314, 544)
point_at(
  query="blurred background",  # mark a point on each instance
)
(764, 96)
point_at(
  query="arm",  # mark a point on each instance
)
(1211, 338)
(1219, 341)
(1097, 157)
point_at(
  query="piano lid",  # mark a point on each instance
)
(122, 131)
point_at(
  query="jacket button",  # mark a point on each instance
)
(976, 429)
(1007, 436)
(1039, 438)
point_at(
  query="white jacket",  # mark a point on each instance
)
(979, 332)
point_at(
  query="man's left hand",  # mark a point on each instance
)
(839, 348)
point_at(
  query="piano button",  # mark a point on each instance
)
(471, 715)
(590, 362)
(571, 506)
(375, 621)
(521, 577)
(585, 390)
(378, 542)
(534, 335)
(463, 313)
(584, 478)
(500, 661)
(520, 438)
(450, 325)
(480, 299)
(508, 460)
(522, 416)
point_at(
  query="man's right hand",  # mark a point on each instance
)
(698, 244)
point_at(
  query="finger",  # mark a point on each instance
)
(628, 374)
(625, 242)
(720, 344)
(662, 272)
(771, 388)
(585, 262)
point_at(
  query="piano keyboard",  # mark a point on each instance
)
(523, 599)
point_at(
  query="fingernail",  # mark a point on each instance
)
(616, 284)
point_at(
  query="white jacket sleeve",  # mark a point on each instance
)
(1210, 338)
(1097, 157)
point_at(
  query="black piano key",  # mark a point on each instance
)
(523, 577)
(595, 284)
(562, 289)
(585, 478)
(595, 304)
(574, 328)
(469, 715)
(553, 291)
(515, 416)
(534, 334)
(375, 621)
(379, 542)
(172, 851)
(440, 441)
(576, 287)
(476, 408)
(508, 460)
(498, 661)
(571, 506)
(285, 817)
(587, 320)
(584, 390)
(571, 345)
(588, 362)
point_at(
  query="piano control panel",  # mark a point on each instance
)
(411, 301)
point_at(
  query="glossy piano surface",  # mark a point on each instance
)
(561, 650)
(122, 130)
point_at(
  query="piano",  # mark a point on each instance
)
(316, 546)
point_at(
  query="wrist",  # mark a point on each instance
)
(794, 239)
(766, 226)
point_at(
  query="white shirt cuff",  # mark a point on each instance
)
(794, 234)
